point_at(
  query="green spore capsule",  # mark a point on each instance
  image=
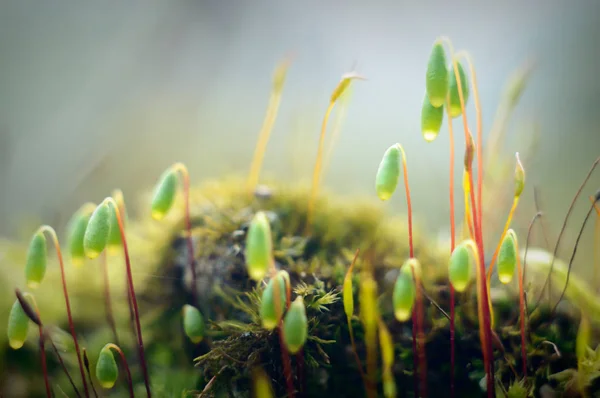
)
(97, 231)
(75, 232)
(107, 371)
(270, 310)
(519, 176)
(404, 293)
(259, 247)
(454, 109)
(507, 257)
(460, 268)
(114, 238)
(431, 120)
(295, 326)
(193, 323)
(35, 266)
(18, 325)
(164, 194)
(388, 173)
(436, 77)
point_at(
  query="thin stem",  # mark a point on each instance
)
(506, 226)
(422, 362)
(564, 225)
(64, 367)
(452, 245)
(267, 127)
(125, 365)
(301, 374)
(50, 231)
(479, 144)
(86, 363)
(587, 216)
(351, 329)
(34, 316)
(107, 301)
(521, 310)
(317, 170)
(185, 176)
(140, 341)
(596, 245)
(537, 216)
(544, 232)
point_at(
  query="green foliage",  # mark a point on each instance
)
(35, 266)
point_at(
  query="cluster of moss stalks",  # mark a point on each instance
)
(369, 306)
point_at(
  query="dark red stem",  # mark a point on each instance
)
(107, 301)
(44, 366)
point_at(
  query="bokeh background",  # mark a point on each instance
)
(99, 95)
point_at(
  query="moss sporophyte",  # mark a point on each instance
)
(272, 293)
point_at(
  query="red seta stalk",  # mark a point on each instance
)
(133, 297)
(417, 316)
(452, 245)
(107, 301)
(48, 229)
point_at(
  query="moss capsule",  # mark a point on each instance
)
(454, 109)
(35, 266)
(436, 77)
(261, 383)
(388, 173)
(507, 257)
(431, 120)
(18, 325)
(75, 232)
(259, 247)
(295, 326)
(270, 310)
(519, 177)
(193, 323)
(164, 194)
(404, 293)
(106, 368)
(97, 231)
(114, 241)
(347, 295)
(460, 268)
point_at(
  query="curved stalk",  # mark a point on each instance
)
(107, 301)
(185, 176)
(50, 231)
(110, 201)
(596, 245)
(125, 365)
(267, 127)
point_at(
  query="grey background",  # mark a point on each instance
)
(98, 95)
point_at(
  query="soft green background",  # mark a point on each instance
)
(98, 95)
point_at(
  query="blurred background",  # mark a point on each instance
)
(99, 95)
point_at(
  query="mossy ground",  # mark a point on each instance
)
(317, 263)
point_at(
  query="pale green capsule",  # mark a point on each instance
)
(18, 325)
(164, 194)
(270, 311)
(262, 387)
(454, 109)
(404, 293)
(35, 266)
(259, 247)
(431, 120)
(369, 311)
(97, 231)
(75, 232)
(519, 177)
(114, 238)
(107, 371)
(460, 268)
(507, 257)
(295, 326)
(436, 77)
(193, 323)
(388, 173)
